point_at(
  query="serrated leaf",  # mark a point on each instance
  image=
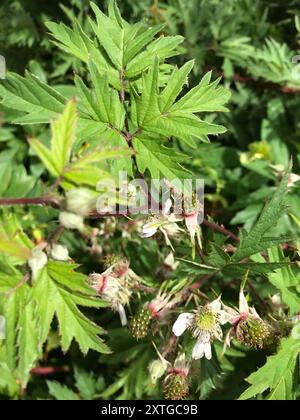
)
(277, 375)
(20, 346)
(8, 381)
(63, 136)
(65, 290)
(77, 43)
(206, 97)
(160, 160)
(164, 47)
(27, 341)
(86, 384)
(285, 280)
(154, 112)
(175, 85)
(254, 241)
(61, 392)
(31, 96)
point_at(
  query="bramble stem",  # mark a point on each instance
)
(45, 201)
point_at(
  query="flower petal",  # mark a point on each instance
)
(207, 350)
(167, 207)
(182, 323)
(198, 350)
(148, 231)
(216, 304)
(225, 317)
(243, 306)
(191, 222)
(122, 314)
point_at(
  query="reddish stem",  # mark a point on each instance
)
(49, 370)
(46, 201)
(221, 229)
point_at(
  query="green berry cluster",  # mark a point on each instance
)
(176, 387)
(140, 324)
(253, 332)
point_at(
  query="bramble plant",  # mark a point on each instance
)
(118, 291)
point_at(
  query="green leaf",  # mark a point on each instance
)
(157, 113)
(147, 104)
(27, 340)
(39, 102)
(163, 47)
(175, 85)
(63, 137)
(8, 382)
(61, 392)
(277, 375)
(21, 349)
(206, 97)
(58, 291)
(254, 241)
(285, 280)
(86, 384)
(160, 160)
(77, 43)
(13, 241)
(138, 43)
(110, 33)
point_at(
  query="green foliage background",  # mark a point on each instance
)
(250, 43)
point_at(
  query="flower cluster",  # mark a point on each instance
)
(205, 325)
(116, 285)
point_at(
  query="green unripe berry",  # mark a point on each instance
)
(253, 332)
(176, 387)
(140, 323)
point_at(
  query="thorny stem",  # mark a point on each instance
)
(221, 229)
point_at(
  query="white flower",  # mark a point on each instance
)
(71, 221)
(205, 324)
(60, 252)
(165, 223)
(80, 201)
(37, 261)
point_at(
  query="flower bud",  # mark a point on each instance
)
(37, 261)
(60, 253)
(157, 368)
(253, 332)
(176, 386)
(140, 324)
(80, 201)
(71, 221)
